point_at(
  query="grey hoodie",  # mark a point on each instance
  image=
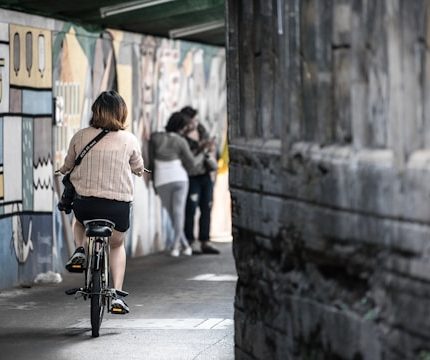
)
(167, 146)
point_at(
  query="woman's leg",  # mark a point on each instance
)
(79, 233)
(77, 260)
(166, 195)
(174, 196)
(178, 211)
(191, 207)
(117, 258)
(205, 205)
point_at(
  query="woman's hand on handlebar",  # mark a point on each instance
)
(141, 172)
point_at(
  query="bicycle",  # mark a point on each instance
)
(96, 286)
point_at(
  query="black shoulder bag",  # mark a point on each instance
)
(69, 193)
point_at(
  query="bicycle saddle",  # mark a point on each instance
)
(99, 227)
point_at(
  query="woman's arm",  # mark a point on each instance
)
(188, 159)
(69, 160)
(136, 159)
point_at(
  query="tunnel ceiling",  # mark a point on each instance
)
(193, 20)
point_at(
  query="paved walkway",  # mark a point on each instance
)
(181, 308)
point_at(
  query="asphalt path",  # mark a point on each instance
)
(181, 308)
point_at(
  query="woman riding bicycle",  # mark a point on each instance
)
(104, 181)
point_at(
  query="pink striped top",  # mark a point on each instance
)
(106, 170)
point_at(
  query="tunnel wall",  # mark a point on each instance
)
(50, 74)
(329, 134)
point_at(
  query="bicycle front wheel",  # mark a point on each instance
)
(97, 303)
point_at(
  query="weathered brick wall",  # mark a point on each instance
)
(330, 177)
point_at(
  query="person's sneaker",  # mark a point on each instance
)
(188, 251)
(208, 249)
(118, 306)
(77, 261)
(174, 253)
(195, 248)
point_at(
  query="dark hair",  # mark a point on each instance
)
(109, 111)
(189, 111)
(176, 122)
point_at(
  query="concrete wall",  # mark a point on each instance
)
(51, 72)
(330, 177)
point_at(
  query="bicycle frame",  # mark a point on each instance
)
(97, 280)
(98, 259)
(96, 286)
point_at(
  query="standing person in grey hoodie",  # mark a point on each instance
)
(170, 160)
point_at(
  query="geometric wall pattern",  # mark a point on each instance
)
(26, 200)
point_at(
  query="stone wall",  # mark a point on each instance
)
(330, 177)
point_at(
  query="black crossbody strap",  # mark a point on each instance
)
(89, 146)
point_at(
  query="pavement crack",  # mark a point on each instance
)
(209, 346)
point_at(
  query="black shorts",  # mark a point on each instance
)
(88, 208)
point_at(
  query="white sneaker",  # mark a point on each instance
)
(77, 261)
(118, 306)
(174, 253)
(188, 251)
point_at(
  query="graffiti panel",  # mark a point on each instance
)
(147, 50)
(36, 102)
(8, 263)
(30, 57)
(124, 54)
(4, 32)
(167, 81)
(104, 67)
(15, 100)
(1, 166)
(12, 163)
(62, 240)
(4, 75)
(74, 70)
(27, 164)
(42, 165)
(37, 237)
(21, 237)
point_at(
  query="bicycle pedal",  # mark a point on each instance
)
(118, 311)
(72, 291)
(75, 268)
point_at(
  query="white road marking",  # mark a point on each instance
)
(160, 324)
(214, 277)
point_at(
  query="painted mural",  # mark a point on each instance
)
(26, 201)
(48, 81)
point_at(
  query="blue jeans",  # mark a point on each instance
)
(199, 196)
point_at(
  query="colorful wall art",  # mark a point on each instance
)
(49, 78)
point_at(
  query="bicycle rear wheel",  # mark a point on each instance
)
(97, 302)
